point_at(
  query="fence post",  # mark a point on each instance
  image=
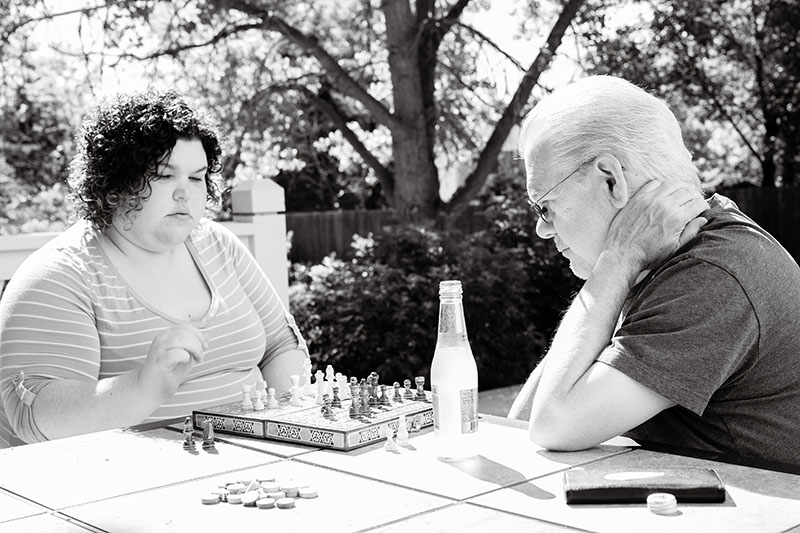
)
(261, 204)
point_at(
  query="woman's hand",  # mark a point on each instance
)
(171, 356)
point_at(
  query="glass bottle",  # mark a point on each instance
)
(454, 380)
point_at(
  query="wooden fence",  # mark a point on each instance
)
(777, 210)
(316, 234)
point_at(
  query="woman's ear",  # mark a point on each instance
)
(616, 186)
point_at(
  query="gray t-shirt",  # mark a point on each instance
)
(716, 329)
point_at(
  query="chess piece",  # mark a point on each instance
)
(397, 396)
(355, 410)
(390, 445)
(247, 402)
(329, 377)
(384, 396)
(407, 393)
(402, 431)
(272, 401)
(308, 389)
(336, 401)
(208, 434)
(327, 411)
(188, 434)
(258, 403)
(295, 400)
(320, 386)
(420, 396)
(341, 382)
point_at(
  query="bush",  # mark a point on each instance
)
(378, 310)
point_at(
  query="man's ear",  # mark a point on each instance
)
(616, 186)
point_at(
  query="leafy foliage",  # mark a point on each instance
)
(378, 310)
(730, 67)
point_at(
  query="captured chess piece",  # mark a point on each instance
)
(390, 445)
(420, 396)
(402, 431)
(188, 434)
(208, 435)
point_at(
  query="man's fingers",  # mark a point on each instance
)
(691, 230)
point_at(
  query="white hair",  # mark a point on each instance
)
(607, 114)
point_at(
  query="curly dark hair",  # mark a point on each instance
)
(121, 144)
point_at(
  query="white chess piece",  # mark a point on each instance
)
(402, 431)
(272, 402)
(309, 387)
(258, 403)
(390, 445)
(344, 387)
(247, 402)
(295, 399)
(320, 383)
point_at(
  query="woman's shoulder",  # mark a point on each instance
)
(75, 248)
(210, 234)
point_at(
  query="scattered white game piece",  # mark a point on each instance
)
(390, 445)
(236, 488)
(265, 503)
(235, 498)
(662, 503)
(402, 431)
(307, 492)
(253, 485)
(270, 486)
(265, 479)
(277, 494)
(249, 498)
(289, 488)
(210, 499)
(285, 503)
(272, 401)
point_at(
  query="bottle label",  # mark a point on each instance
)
(469, 410)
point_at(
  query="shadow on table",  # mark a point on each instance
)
(485, 469)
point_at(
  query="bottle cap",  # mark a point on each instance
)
(662, 503)
(450, 288)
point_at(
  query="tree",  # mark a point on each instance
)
(392, 66)
(730, 65)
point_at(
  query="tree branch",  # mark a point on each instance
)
(492, 44)
(488, 157)
(338, 75)
(332, 111)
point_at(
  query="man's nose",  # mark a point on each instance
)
(544, 229)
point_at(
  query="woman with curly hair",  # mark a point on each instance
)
(143, 310)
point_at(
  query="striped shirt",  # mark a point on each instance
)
(68, 314)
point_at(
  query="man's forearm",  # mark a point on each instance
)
(586, 329)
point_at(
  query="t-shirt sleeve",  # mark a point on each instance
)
(686, 333)
(279, 326)
(48, 333)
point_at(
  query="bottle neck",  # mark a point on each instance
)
(452, 327)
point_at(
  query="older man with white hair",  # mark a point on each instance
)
(685, 330)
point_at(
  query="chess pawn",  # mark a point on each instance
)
(336, 401)
(398, 398)
(188, 434)
(258, 403)
(247, 402)
(390, 445)
(407, 393)
(384, 396)
(272, 401)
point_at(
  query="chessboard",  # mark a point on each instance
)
(320, 425)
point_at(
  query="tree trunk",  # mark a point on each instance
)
(416, 192)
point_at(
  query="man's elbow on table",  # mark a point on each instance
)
(553, 430)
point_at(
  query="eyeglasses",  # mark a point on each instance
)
(540, 211)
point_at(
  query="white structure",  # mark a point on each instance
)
(259, 220)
